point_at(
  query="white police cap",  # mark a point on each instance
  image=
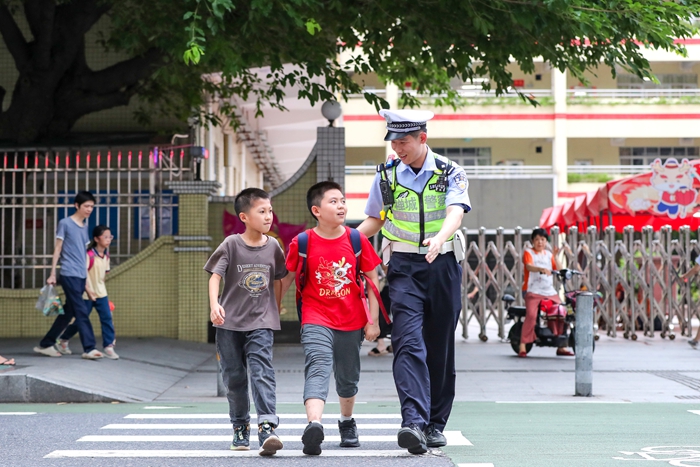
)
(400, 122)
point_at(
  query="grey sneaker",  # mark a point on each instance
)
(693, 343)
(268, 440)
(241, 436)
(94, 354)
(48, 351)
(348, 434)
(62, 347)
(434, 437)
(312, 439)
(412, 438)
(110, 353)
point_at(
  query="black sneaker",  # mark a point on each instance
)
(412, 438)
(269, 441)
(434, 437)
(241, 436)
(312, 438)
(348, 434)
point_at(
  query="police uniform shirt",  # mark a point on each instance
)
(457, 190)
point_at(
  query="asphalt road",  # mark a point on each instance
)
(487, 434)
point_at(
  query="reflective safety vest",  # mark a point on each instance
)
(414, 216)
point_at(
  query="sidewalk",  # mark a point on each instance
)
(155, 369)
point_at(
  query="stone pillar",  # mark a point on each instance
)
(231, 149)
(192, 244)
(560, 144)
(330, 155)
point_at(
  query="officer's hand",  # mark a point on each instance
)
(434, 244)
(371, 331)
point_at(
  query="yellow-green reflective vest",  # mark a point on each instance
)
(417, 216)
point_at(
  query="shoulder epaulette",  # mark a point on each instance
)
(443, 163)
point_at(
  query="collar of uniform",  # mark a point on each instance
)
(428, 165)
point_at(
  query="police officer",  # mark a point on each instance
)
(417, 200)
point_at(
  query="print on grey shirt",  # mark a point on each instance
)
(248, 297)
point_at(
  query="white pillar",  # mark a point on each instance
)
(392, 97)
(211, 163)
(560, 143)
(230, 148)
(242, 167)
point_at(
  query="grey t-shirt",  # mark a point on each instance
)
(248, 297)
(74, 251)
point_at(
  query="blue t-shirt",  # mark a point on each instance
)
(74, 252)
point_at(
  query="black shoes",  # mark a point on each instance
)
(348, 434)
(434, 438)
(312, 439)
(241, 434)
(268, 440)
(412, 438)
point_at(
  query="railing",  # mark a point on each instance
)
(516, 170)
(38, 188)
(573, 94)
(477, 93)
(613, 170)
(636, 278)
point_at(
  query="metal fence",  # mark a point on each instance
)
(38, 187)
(636, 278)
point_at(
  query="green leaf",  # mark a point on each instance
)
(312, 27)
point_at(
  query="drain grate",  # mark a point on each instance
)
(687, 397)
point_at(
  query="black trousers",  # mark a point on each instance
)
(425, 303)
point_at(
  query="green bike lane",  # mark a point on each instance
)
(582, 433)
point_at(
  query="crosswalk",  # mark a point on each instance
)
(168, 435)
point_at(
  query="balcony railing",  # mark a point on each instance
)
(513, 170)
(572, 94)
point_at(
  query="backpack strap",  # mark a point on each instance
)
(91, 258)
(303, 244)
(356, 240)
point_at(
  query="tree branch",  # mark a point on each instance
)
(40, 16)
(126, 73)
(14, 39)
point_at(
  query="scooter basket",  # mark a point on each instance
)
(554, 315)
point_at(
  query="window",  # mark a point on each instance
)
(666, 81)
(645, 156)
(466, 156)
(583, 162)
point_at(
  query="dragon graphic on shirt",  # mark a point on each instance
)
(332, 274)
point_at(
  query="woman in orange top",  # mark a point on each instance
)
(538, 285)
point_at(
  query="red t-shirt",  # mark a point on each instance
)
(331, 297)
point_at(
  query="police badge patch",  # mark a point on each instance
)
(461, 181)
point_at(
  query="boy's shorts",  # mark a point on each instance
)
(328, 349)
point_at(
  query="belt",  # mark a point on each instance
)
(401, 247)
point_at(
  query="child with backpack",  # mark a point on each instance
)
(327, 262)
(245, 317)
(98, 267)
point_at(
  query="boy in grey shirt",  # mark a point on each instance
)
(246, 315)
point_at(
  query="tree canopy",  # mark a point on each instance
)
(168, 45)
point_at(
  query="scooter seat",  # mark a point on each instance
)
(517, 311)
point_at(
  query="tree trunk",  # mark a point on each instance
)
(55, 87)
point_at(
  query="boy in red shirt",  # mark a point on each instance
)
(333, 318)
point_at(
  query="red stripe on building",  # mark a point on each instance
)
(356, 195)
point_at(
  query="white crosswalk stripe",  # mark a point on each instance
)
(377, 436)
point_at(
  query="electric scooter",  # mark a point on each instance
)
(556, 323)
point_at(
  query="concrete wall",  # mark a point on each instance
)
(508, 202)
